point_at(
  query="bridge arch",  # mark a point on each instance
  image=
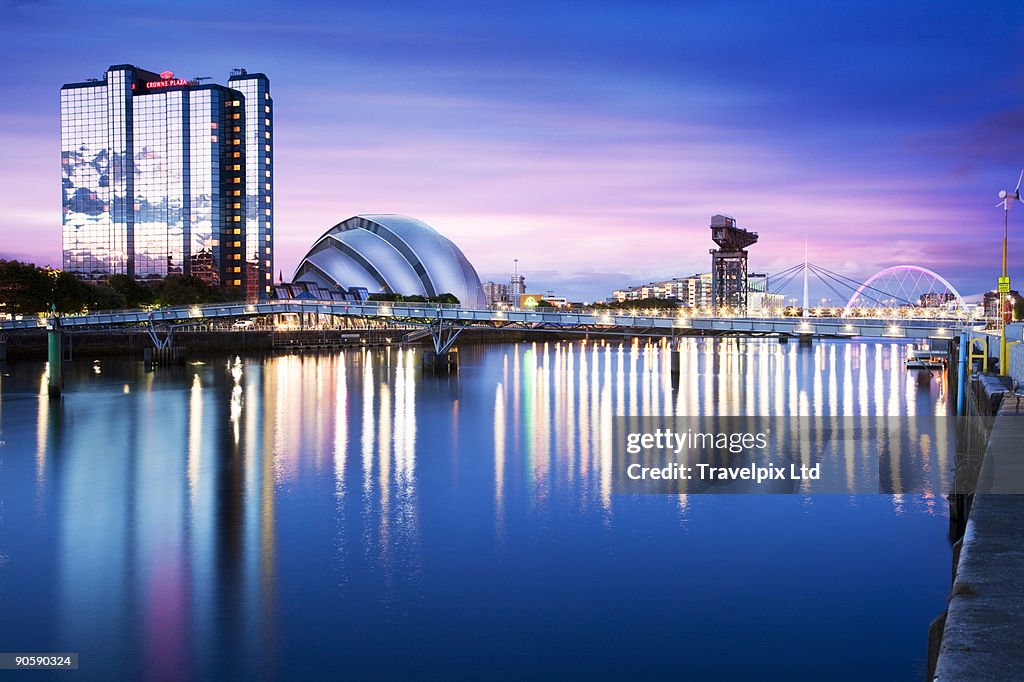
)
(905, 272)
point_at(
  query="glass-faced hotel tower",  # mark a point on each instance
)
(165, 175)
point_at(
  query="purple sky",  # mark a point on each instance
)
(593, 141)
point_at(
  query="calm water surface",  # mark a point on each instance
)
(344, 515)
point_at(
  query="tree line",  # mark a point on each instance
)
(415, 298)
(27, 289)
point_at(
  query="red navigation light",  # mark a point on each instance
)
(167, 75)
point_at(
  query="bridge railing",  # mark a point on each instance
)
(424, 311)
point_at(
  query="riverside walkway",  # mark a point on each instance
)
(983, 638)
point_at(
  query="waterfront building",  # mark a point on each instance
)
(990, 304)
(164, 175)
(391, 254)
(693, 291)
(516, 288)
(495, 294)
(933, 299)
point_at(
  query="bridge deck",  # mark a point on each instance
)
(584, 321)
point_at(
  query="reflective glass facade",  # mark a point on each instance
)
(259, 179)
(168, 176)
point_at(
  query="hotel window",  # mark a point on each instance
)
(237, 282)
(267, 186)
(267, 262)
(268, 211)
(236, 231)
(237, 245)
(236, 116)
(236, 256)
(267, 250)
(236, 206)
(236, 269)
(237, 155)
(236, 167)
(266, 121)
(268, 134)
(268, 174)
(267, 147)
(237, 181)
(267, 108)
(237, 193)
(236, 103)
(213, 138)
(268, 160)
(213, 126)
(236, 129)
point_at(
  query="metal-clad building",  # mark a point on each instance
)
(392, 254)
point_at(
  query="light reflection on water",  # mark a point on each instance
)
(226, 510)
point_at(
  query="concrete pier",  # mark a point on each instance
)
(984, 625)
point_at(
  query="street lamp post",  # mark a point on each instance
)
(1006, 199)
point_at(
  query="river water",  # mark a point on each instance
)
(343, 515)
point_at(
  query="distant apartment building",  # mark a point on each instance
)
(990, 303)
(164, 175)
(516, 287)
(693, 291)
(696, 291)
(495, 294)
(936, 299)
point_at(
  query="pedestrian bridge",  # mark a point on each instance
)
(447, 321)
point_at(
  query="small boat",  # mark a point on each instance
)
(919, 358)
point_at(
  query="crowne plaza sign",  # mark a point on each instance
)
(167, 80)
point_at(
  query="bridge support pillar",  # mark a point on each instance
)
(3, 347)
(444, 357)
(447, 361)
(961, 374)
(170, 355)
(55, 358)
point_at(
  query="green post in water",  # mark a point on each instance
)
(54, 356)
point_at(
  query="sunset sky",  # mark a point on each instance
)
(590, 140)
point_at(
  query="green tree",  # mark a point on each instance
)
(135, 293)
(68, 294)
(642, 304)
(182, 290)
(24, 288)
(105, 297)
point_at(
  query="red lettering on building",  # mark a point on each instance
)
(167, 83)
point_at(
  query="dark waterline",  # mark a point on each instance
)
(347, 516)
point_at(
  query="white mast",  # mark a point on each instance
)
(805, 276)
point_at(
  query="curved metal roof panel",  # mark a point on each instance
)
(396, 253)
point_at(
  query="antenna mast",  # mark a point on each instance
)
(805, 277)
